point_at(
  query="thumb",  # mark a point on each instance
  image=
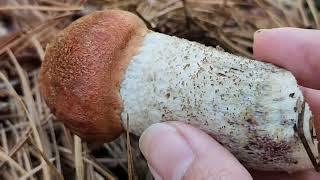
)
(178, 151)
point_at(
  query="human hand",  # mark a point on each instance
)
(298, 51)
(175, 150)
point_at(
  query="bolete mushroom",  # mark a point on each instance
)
(107, 67)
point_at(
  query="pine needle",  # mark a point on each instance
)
(78, 158)
(40, 8)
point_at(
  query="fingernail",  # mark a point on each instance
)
(154, 173)
(167, 152)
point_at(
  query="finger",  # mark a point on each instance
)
(294, 49)
(312, 96)
(306, 175)
(175, 150)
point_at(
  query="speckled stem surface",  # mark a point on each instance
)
(249, 106)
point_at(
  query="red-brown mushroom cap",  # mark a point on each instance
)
(83, 68)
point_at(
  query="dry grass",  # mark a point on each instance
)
(33, 145)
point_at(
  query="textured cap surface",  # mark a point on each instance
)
(83, 68)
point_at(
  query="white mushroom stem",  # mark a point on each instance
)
(249, 106)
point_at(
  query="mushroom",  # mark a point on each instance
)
(107, 67)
